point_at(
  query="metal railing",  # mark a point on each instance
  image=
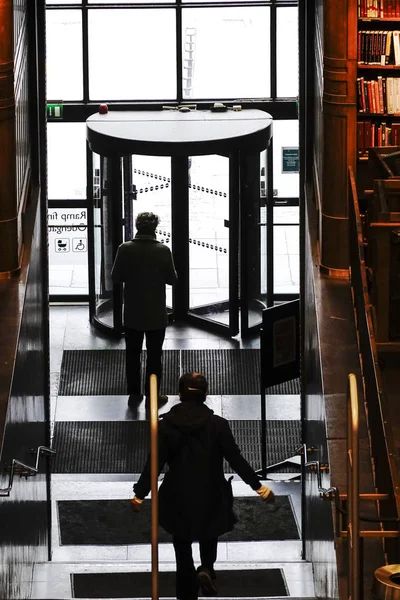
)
(353, 497)
(154, 484)
(23, 470)
(382, 442)
(353, 488)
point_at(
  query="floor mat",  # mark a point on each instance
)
(123, 446)
(112, 522)
(287, 387)
(231, 584)
(102, 372)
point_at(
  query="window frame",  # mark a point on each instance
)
(79, 111)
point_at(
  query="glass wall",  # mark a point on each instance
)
(135, 55)
(67, 214)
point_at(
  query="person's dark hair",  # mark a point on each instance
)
(193, 386)
(146, 223)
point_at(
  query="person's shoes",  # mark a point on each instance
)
(134, 399)
(206, 579)
(162, 399)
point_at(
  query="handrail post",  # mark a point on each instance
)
(353, 485)
(154, 484)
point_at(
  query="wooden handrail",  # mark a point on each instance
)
(353, 486)
(154, 484)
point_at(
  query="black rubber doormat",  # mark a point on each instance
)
(112, 522)
(123, 446)
(102, 372)
(230, 584)
(229, 371)
(287, 387)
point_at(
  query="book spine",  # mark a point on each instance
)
(382, 48)
(388, 47)
(396, 47)
(376, 97)
(368, 135)
(367, 105)
(359, 95)
(388, 136)
(369, 95)
(389, 95)
(360, 138)
(385, 107)
(379, 135)
(380, 94)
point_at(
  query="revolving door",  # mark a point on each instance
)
(210, 191)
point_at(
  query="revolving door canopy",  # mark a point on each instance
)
(193, 169)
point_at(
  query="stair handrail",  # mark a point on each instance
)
(353, 489)
(353, 478)
(154, 484)
(29, 471)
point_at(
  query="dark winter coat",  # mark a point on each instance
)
(145, 266)
(195, 499)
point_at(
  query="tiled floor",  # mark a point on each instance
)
(70, 329)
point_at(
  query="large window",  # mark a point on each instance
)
(146, 53)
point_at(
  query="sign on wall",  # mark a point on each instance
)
(290, 160)
(67, 236)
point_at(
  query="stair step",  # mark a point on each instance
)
(112, 579)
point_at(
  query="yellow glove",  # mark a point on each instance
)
(266, 493)
(136, 504)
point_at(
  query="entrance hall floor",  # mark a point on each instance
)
(70, 329)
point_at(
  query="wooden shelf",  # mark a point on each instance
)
(380, 19)
(379, 115)
(378, 67)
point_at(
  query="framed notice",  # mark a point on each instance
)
(284, 340)
(290, 160)
(280, 345)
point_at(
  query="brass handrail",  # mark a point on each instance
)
(353, 488)
(154, 484)
(20, 468)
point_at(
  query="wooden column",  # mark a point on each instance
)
(8, 201)
(339, 130)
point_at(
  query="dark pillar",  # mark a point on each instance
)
(8, 203)
(339, 130)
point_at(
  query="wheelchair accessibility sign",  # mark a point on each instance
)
(78, 245)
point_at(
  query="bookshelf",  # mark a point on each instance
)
(378, 75)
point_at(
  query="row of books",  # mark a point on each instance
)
(380, 9)
(370, 134)
(378, 96)
(378, 48)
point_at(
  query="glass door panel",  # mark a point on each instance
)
(151, 192)
(254, 231)
(107, 201)
(286, 250)
(209, 238)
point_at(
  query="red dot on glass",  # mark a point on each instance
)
(103, 109)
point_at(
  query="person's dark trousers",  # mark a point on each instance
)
(186, 574)
(134, 343)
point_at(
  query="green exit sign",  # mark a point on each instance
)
(55, 111)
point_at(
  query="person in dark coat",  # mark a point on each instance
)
(195, 499)
(145, 266)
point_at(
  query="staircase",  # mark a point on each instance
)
(260, 569)
(93, 556)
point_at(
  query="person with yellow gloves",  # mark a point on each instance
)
(195, 499)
